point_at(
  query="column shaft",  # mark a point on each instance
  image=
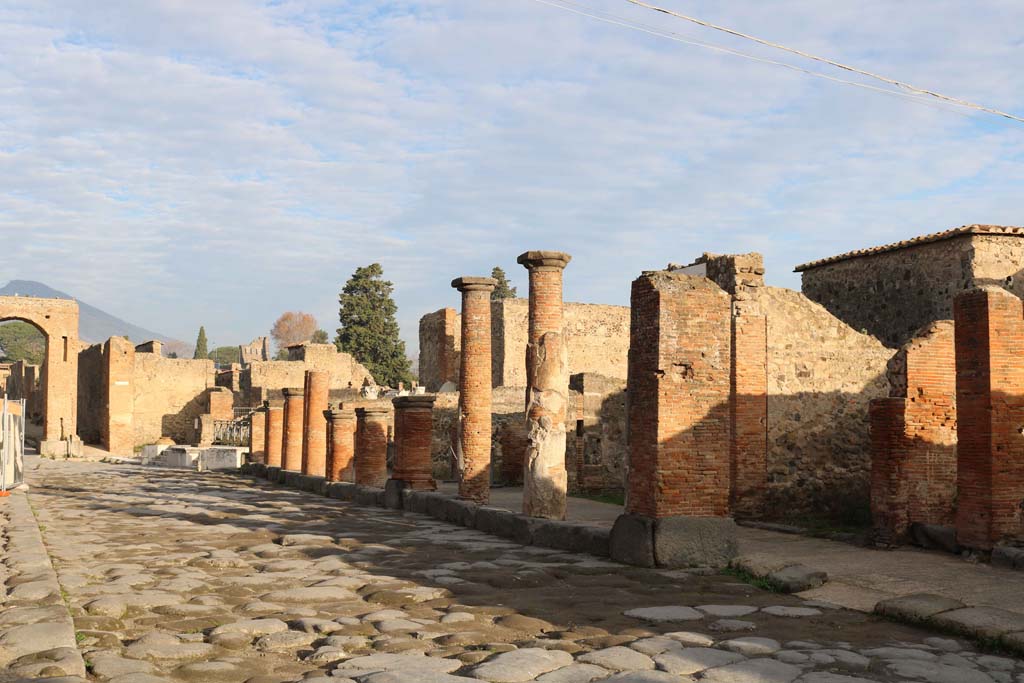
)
(371, 466)
(273, 435)
(314, 430)
(291, 438)
(414, 424)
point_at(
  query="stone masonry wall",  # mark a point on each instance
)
(169, 394)
(822, 375)
(508, 434)
(597, 335)
(262, 380)
(440, 348)
(892, 294)
(596, 435)
(91, 394)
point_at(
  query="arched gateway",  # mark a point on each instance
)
(57, 319)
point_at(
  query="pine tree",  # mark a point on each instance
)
(503, 290)
(201, 350)
(368, 329)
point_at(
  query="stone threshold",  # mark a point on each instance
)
(989, 627)
(37, 632)
(573, 537)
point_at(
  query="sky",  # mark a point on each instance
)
(182, 163)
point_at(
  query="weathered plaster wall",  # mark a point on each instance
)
(822, 374)
(597, 335)
(263, 380)
(168, 395)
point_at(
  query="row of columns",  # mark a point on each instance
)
(345, 444)
(547, 392)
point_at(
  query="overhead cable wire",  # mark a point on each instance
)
(830, 62)
(607, 18)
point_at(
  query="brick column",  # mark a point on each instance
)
(342, 439)
(679, 390)
(547, 391)
(989, 337)
(314, 425)
(475, 388)
(291, 434)
(274, 434)
(371, 466)
(257, 434)
(414, 427)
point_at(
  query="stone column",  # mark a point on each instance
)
(274, 434)
(291, 437)
(547, 391)
(414, 426)
(475, 388)
(257, 434)
(340, 454)
(314, 425)
(371, 467)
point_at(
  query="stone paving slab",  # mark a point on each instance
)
(178, 576)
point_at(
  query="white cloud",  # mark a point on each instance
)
(183, 163)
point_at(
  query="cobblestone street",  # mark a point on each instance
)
(177, 576)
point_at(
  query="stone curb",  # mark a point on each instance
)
(568, 536)
(37, 638)
(784, 577)
(989, 626)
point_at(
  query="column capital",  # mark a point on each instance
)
(339, 415)
(414, 401)
(372, 412)
(544, 260)
(297, 392)
(469, 283)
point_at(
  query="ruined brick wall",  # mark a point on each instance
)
(596, 435)
(508, 434)
(168, 395)
(822, 375)
(263, 380)
(597, 335)
(257, 349)
(91, 394)
(892, 293)
(679, 396)
(116, 430)
(913, 437)
(440, 348)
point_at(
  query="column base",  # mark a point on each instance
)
(678, 541)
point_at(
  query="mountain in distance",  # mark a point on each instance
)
(94, 325)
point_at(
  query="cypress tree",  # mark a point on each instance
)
(201, 351)
(369, 330)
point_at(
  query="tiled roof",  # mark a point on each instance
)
(913, 242)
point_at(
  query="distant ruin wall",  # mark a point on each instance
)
(598, 338)
(440, 348)
(263, 380)
(822, 375)
(168, 395)
(92, 400)
(892, 294)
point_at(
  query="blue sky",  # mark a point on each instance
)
(180, 163)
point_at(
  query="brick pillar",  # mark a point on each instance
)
(342, 435)
(547, 391)
(274, 435)
(414, 427)
(257, 434)
(475, 389)
(314, 424)
(989, 334)
(679, 390)
(748, 455)
(221, 402)
(291, 434)
(371, 467)
(913, 438)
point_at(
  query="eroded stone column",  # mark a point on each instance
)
(314, 425)
(475, 388)
(414, 425)
(291, 437)
(371, 467)
(341, 452)
(547, 391)
(274, 434)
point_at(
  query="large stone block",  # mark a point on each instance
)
(685, 541)
(632, 540)
(457, 511)
(369, 496)
(272, 473)
(506, 524)
(394, 494)
(341, 490)
(572, 537)
(435, 505)
(416, 501)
